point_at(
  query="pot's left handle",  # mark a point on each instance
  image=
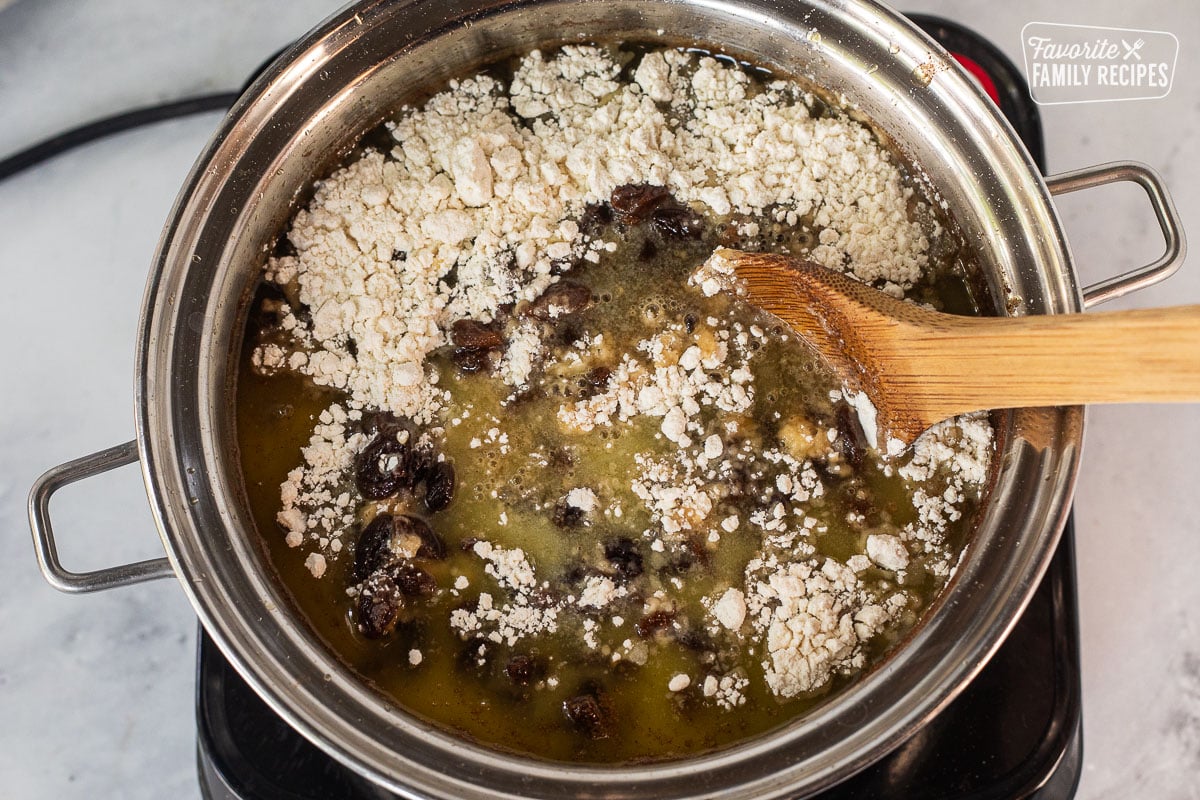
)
(43, 534)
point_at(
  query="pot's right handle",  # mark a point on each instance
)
(55, 573)
(1164, 210)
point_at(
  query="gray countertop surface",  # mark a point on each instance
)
(96, 691)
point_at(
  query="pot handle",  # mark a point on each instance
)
(43, 535)
(1164, 210)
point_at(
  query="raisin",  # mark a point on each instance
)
(432, 547)
(383, 467)
(373, 550)
(677, 222)
(470, 333)
(635, 201)
(422, 461)
(654, 622)
(561, 266)
(382, 422)
(559, 300)
(588, 716)
(523, 670)
(624, 556)
(379, 607)
(851, 441)
(595, 217)
(471, 359)
(411, 580)
(567, 516)
(439, 486)
(689, 323)
(595, 381)
(649, 251)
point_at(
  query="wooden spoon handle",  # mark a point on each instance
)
(915, 367)
(971, 363)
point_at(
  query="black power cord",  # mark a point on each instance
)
(109, 126)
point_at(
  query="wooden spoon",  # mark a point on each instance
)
(918, 367)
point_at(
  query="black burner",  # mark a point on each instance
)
(1014, 732)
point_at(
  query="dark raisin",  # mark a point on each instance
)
(689, 323)
(432, 547)
(439, 486)
(283, 248)
(422, 460)
(588, 716)
(473, 334)
(654, 622)
(559, 300)
(634, 202)
(649, 251)
(303, 313)
(471, 359)
(623, 554)
(595, 217)
(567, 516)
(382, 422)
(561, 266)
(595, 381)
(677, 222)
(377, 545)
(523, 670)
(411, 580)
(380, 604)
(374, 548)
(851, 441)
(382, 469)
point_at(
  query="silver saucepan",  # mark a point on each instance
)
(343, 79)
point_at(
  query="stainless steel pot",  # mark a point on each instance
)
(343, 79)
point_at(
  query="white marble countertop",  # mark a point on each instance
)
(96, 692)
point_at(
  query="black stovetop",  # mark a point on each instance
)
(1014, 732)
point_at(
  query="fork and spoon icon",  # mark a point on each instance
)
(1132, 49)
